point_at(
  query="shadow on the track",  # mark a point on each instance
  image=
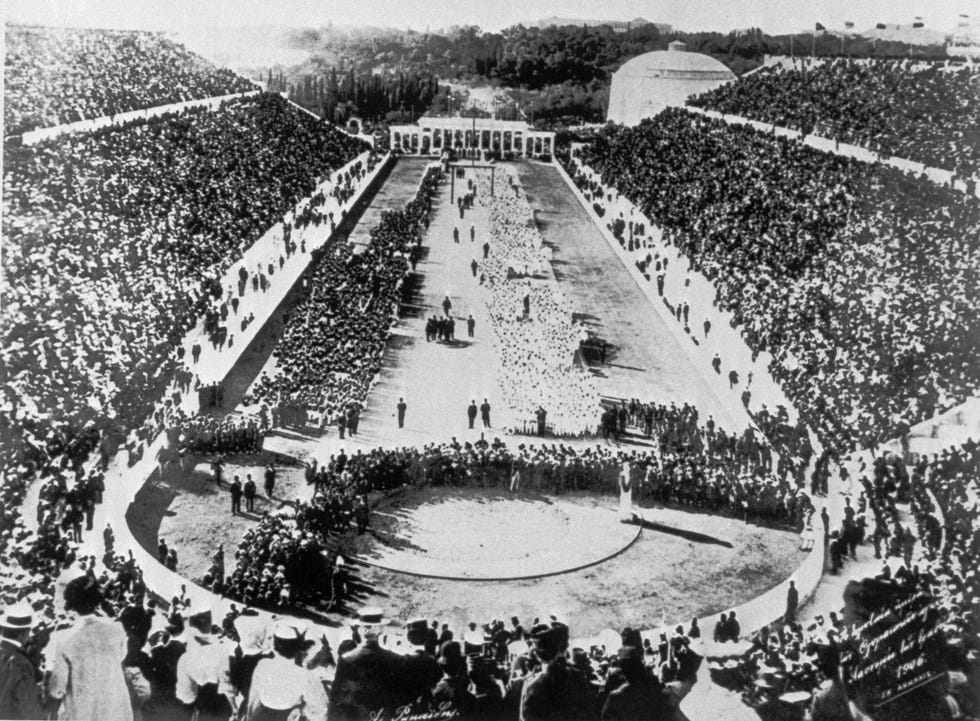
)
(695, 536)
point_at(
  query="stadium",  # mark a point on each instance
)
(595, 371)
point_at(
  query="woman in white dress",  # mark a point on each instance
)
(625, 494)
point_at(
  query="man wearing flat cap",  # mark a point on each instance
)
(19, 695)
(556, 691)
(368, 678)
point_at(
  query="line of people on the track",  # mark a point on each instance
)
(535, 335)
(332, 342)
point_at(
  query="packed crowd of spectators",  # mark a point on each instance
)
(927, 580)
(62, 75)
(208, 435)
(815, 256)
(117, 240)
(331, 346)
(690, 466)
(534, 332)
(926, 113)
(168, 658)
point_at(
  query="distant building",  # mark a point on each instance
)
(469, 138)
(619, 26)
(648, 83)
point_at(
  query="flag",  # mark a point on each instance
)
(820, 27)
(964, 21)
(880, 26)
(848, 25)
(918, 23)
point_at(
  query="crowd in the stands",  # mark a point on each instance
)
(115, 239)
(118, 239)
(816, 256)
(923, 112)
(927, 581)
(331, 345)
(62, 75)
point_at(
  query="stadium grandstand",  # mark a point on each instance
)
(65, 75)
(707, 448)
(926, 112)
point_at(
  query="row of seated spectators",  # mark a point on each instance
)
(928, 591)
(928, 113)
(62, 75)
(332, 341)
(858, 278)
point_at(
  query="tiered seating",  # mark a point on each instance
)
(926, 113)
(63, 75)
(859, 279)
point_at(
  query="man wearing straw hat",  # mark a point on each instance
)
(368, 678)
(19, 695)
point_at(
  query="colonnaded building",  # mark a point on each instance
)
(471, 137)
(647, 84)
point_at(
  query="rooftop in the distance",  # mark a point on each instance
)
(675, 59)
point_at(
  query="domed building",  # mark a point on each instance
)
(648, 83)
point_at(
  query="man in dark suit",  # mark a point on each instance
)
(556, 691)
(485, 413)
(236, 496)
(19, 695)
(640, 696)
(369, 678)
(401, 412)
(249, 491)
(270, 480)
(422, 672)
(471, 413)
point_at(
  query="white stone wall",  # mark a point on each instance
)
(632, 99)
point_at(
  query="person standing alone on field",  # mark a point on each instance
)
(401, 412)
(270, 480)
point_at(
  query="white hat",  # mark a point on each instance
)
(17, 617)
(371, 616)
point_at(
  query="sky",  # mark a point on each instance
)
(723, 15)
